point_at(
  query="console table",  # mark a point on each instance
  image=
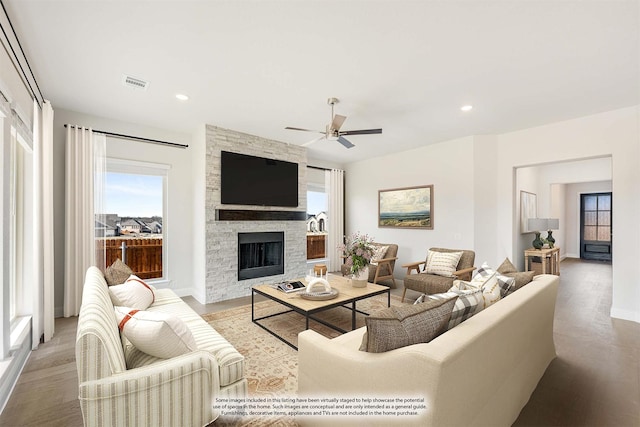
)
(550, 258)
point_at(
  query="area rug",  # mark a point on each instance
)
(271, 366)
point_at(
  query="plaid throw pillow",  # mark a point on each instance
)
(506, 284)
(465, 307)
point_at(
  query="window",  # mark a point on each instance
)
(131, 223)
(20, 219)
(317, 208)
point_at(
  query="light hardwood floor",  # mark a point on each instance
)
(594, 381)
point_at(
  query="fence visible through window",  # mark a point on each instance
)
(143, 256)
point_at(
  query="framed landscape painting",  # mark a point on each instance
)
(410, 207)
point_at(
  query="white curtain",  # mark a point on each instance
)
(38, 236)
(47, 220)
(43, 309)
(83, 148)
(334, 181)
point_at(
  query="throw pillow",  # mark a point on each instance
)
(521, 278)
(134, 293)
(506, 267)
(117, 273)
(488, 284)
(405, 325)
(378, 253)
(442, 263)
(158, 334)
(505, 283)
(466, 304)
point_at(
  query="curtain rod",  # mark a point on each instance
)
(136, 138)
(24, 74)
(319, 168)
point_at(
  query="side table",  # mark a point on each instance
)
(550, 259)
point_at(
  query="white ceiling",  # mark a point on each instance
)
(405, 66)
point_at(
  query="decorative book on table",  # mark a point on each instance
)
(291, 286)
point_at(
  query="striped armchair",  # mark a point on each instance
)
(119, 385)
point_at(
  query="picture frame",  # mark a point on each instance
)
(528, 209)
(408, 207)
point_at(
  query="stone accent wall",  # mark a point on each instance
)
(222, 236)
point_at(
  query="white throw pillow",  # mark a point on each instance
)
(487, 281)
(507, 284)
(134, 293)
(489, 287)
(442, 263)
(158, 334)
(378, 253)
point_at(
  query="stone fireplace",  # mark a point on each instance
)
(225, 223)
(260, 254)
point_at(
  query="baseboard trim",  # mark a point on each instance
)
(186, 292)
(633, 316)
(11, 369)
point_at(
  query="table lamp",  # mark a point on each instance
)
(552, 224)
(535, 224)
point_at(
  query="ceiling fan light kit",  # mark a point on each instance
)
(332, 131)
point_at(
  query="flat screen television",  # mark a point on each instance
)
(257, 181)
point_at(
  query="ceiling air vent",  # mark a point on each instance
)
(134, 82)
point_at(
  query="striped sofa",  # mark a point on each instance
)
(120, 386)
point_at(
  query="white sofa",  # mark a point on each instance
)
(120, 386)
(482, 372)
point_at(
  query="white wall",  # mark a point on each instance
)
(558, 210)
(463, 171)
(178, 230)
(527, 179)
(613, 133)
(448, 166)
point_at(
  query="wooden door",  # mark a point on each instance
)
(596, 226)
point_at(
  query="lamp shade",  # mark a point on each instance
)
(537, 224)
(553, 224)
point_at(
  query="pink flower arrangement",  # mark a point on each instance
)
(358, 250)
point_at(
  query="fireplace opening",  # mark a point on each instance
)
(260, 254)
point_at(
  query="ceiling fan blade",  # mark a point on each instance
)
(345, 142)
(306, 144)
(304, 130)
(361, 132)
(337, 121)
(313, 141)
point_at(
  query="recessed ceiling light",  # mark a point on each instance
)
(467, 108)
(182, 97)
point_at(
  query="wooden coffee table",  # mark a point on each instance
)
(347, 298)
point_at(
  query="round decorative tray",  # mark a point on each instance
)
(319, 296)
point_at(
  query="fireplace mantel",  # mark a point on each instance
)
(253, 215)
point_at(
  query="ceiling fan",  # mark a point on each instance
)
(333, 132)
